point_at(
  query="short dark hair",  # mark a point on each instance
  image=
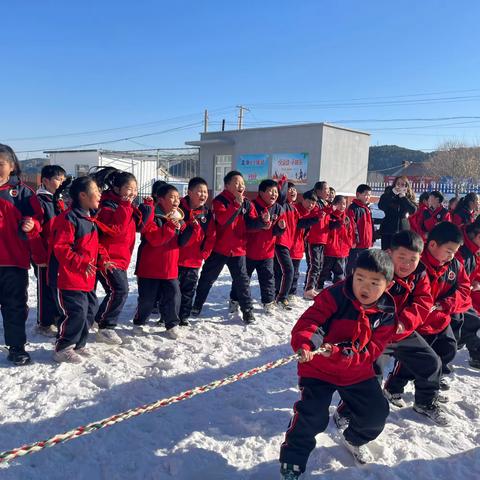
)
(319, 185)
(423, 197)
(473, 229)
(437, 194)
(338, 199)
(363, 187)
(452, 201)
(378, 261)
(7, 152)
(78, 186)
(445, 232)
(195, 181)
(156, 187)
(50, 171)
(265, 184)
(228, 177)
(407, 239)
(310, 195)
(291, 185)
(164, 190)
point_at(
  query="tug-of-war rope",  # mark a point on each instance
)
(10, 455)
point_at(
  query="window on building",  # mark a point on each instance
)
(81, 170)
(223, 164)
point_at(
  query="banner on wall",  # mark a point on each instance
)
(293, 165)
(253, 167)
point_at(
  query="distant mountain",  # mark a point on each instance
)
(387, 159)
(33, 165)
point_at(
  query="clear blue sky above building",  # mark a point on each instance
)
(77, 73)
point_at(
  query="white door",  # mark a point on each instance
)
(223, 164)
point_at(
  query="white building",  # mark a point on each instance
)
(80, 162)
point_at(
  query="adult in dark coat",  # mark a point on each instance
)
(398, 203)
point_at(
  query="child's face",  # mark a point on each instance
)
(443, 253)
(269, 196)
(51, 184)
(341, 205)
(90, 199)
(128, 191)
(433, 202)
(235, 185)
(291, 194)
(364, 197)
(453, 205)
(324, 193)
(169, 202)
(198, 196)
(404, 261)
(368, 286)
(6, 167)
(308, 204)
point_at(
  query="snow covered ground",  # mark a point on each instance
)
(231, 433)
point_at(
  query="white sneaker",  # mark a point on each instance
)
(84, 352)
(269, 307)
(107, 335)
(394, 398)
(293, 300)
(140, 329)
(173, 333)
(50, 331)
(360, 453)
(67, 355)
(310, 294)
(233, 306)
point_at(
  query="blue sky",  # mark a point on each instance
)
(154, 66)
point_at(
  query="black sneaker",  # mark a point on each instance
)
(434, 412)
(290, 471)
(184, 322)
(284, 304)
(474, 362)
(18, 356)
(444, 385)
(195, 313)
(248, 316)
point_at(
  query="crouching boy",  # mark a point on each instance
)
(348, 325)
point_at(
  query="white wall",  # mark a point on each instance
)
(68, 160)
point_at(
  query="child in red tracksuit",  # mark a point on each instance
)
(122, 219)
(157, 260)
(316, 239)
(261, 243)
(348, 325)
(307, 217)
(415, 220)
(361, 215)
(72, 266)
(466, 326)
(20, 217)
(52, 177)
(196, 242)
(450, 288)
(434, 214)
(340, 240)
(466, 209)
(233, 213)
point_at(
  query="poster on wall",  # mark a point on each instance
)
(293, 165)
(253, 167)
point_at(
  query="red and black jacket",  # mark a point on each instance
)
(159, 249)
(261, 241)
(450, 288)
(340, 236)
(305, 221)
(416, 219)
(463, 216)
(73, 246)
(51, 208)
(413, 300)
(123, 219)
(358, 334)
(361, 215)
(198, 238)
(318, 233)
(468, 254)
(231, 221)
(18, 201)
(431, 218)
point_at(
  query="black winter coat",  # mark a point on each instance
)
(397, 210)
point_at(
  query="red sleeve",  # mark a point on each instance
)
(460, 301)
(457, 220)
(117, 219)
(447, 217)
(210, 240)
(157, 236)
(63, 239)
(322, 309)
(418, 308)
(35, 241)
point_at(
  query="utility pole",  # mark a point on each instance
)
(205, 121)
(240, 115)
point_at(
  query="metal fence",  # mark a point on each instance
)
(449, 189)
